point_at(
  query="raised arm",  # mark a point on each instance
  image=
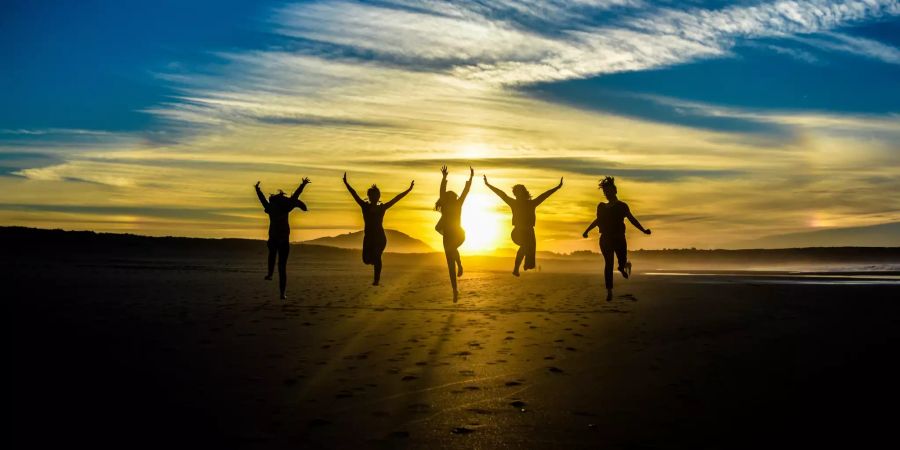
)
(540, 198)
(443, 181)
(465, 192)
(359, 201)
(262, 198)
(399, 196)
(499, 193)
(635, 222)
(299, 189)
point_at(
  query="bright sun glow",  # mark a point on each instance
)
(482, 222)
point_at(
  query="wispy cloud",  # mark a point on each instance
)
(854, 45)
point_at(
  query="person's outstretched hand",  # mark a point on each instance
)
(647, 231)
(485, 180)
(411, 184)
(306, 180)
(256, 185)
(471, 172)
(560, 182)
(585, 234)
(345, 177)
(444, 170)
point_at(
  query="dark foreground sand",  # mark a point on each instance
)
(174, 353)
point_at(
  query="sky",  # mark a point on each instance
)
(723, 122)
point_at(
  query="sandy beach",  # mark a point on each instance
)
(144, 352)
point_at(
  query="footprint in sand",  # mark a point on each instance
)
(409, 378)
(419, 407)
(554, 369)
(512, 383)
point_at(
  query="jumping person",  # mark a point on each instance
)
(523, 219)
(278, 207)
(611, 221)
(449, 226)
(374, 240)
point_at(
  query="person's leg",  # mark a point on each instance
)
(621, 250)
(273, 250)
(456, 244)
(283, 252)
(379, 244)
(520, 255)
(530, 248)
(451, 262)
(377, 264)
(607, 252)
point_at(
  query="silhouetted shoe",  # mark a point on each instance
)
(268, 277)
(455, 296)
(374, 283)
(609, 295)
(516, 272)
(283, 297)
(626, 270)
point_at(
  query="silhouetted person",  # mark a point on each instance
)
(523, 219)
(611, 220)
(449, 226)
(374, 240)
(278, 207)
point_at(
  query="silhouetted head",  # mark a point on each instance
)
(447, 199)
(520, 192)
(374, 194)
(275, 198)
(608, 185)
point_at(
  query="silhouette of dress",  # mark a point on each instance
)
(374, 239)
(450, 226)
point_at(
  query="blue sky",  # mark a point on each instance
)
(95, 65)
(99, 92)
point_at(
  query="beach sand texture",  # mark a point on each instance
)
(132, 353)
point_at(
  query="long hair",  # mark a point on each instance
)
(519, 191)
(608, 184)
(448, 197)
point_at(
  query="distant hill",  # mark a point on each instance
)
(883, 235)
(398, 242)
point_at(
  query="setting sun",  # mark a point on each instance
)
(482, 222)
